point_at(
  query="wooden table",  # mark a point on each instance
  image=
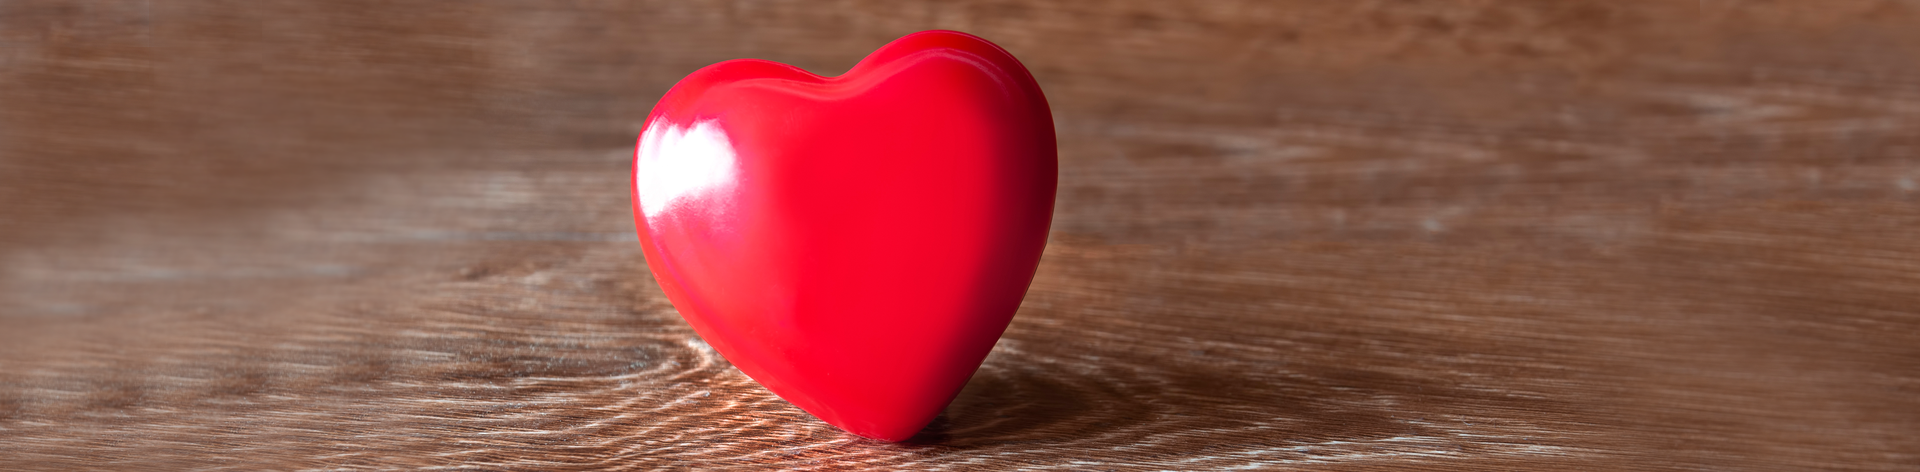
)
(1479, 235)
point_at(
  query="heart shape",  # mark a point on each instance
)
(857, 243)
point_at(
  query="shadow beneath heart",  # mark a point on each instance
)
(1028, 399)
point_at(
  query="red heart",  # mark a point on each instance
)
(856, 243)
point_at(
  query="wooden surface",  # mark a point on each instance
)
(1473, 235)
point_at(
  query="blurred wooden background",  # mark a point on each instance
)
(1369, 235)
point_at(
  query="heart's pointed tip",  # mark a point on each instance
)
(892, 437)
(899, 431)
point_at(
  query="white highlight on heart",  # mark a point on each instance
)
(677, 164)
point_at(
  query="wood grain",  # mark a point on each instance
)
(1473, 235)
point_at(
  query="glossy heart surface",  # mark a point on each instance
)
(856, 244)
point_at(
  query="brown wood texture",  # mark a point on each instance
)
(1473, 235)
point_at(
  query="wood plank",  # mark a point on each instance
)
(1314, 235)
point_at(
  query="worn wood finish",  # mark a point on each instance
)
(1320, 235)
